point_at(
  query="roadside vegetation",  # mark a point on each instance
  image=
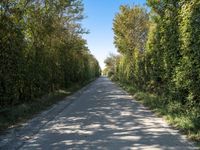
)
(159, 59)
(41, 51)
(14, 116)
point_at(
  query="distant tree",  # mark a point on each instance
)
(111, 65)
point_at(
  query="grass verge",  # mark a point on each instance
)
(178, 116)
(13, 116)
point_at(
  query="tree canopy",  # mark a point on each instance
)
(42, 49)
(159, 50)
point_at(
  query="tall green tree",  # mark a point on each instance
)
(131, 27)
(187, 75)
(41, 49)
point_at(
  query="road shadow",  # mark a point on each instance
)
(105, 117)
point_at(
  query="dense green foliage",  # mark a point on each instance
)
(131, 28)
(41, 49)
(160, 53)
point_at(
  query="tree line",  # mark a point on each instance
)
(159, 50)
(42, 49)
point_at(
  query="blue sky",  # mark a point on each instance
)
(99, 18)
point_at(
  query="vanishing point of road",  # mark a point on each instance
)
(100, 116)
